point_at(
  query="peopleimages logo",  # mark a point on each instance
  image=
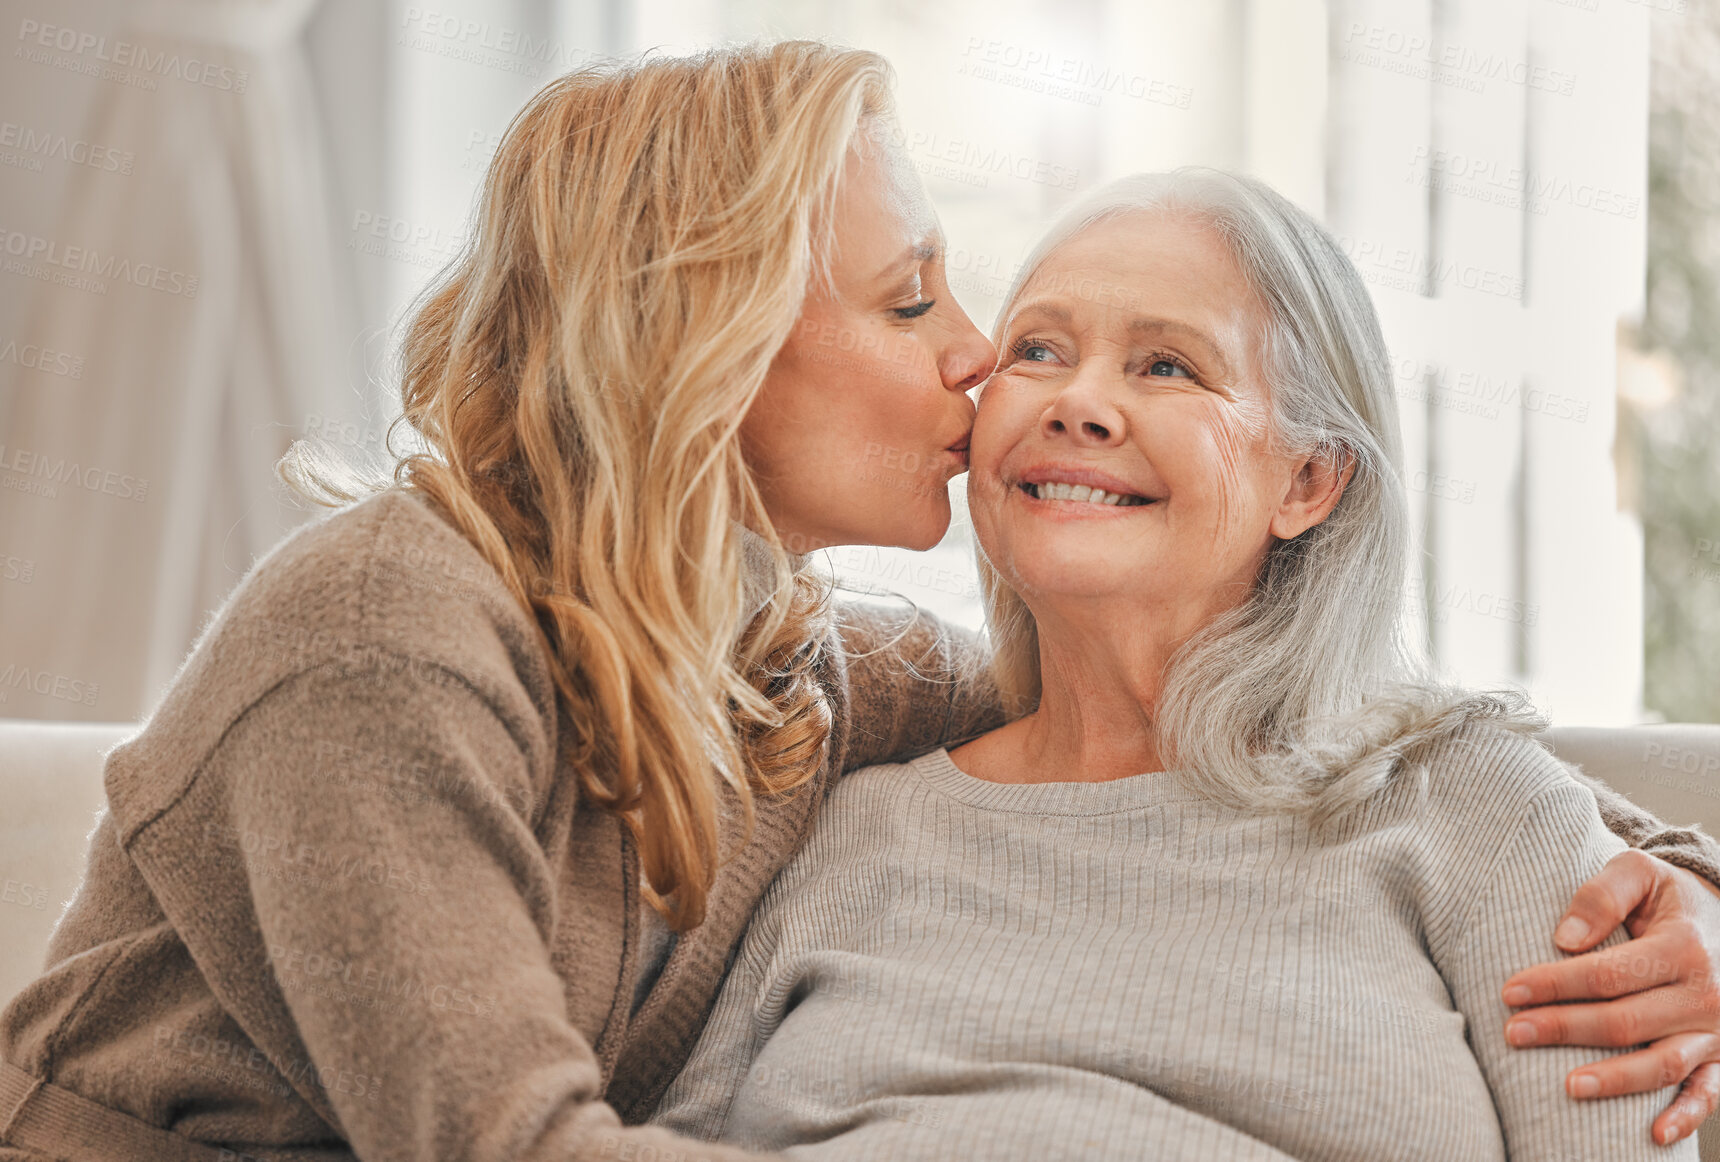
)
(1480, 393)
(269, 855)
(35, 357)
(87, 52)
(1049, 74)
(971, 161)
(22, 144)
(37, 256)
(19, 569)
(494, 46)
(34, 466)
(388, 237)
(1400, 268)
(1418, 55)
(47, 684)
(373, 986)
(1487, 180)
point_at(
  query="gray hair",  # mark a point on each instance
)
(1305, 697)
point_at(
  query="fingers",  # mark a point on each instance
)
(1695, 1101)
(1633, 1020)
(1603, 903)
(1666, 1062)
(1665, 982)
(1631, 967)
(1684, 1058)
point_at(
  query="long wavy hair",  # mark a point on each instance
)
(1305, 697)
(576, 378)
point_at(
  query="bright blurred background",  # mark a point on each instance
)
(213, 214)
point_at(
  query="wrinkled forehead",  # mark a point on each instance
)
(1144, 246)
(1163, 263)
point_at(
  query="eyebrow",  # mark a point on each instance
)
(1055, 312)
(1139, 326)
(920, 252)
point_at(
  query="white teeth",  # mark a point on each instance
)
(1082, 492)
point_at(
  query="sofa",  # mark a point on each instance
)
(51, 795)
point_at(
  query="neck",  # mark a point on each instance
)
(1102, 665)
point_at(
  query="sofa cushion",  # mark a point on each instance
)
(51, 788)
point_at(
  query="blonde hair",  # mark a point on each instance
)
(645, 239)
(1305, 697)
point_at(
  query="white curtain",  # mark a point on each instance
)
(191, 394)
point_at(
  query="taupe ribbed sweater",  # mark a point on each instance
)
(344, 893)
(345, 900)
(953, 968)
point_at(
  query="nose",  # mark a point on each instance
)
(1084, 410)
(966, 356)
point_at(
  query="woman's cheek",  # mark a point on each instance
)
(1001, 410)
(905, 356)
(993, 394)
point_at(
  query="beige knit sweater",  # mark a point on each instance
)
(342, 893)
(955, 968)
(344, 902)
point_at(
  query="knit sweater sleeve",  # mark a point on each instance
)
(915, 682)
(1550, 847)
(409, 937)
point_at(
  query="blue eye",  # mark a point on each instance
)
(1031, 352)
(1168, 367)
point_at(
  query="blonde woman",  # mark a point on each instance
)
(395, 870)
(440, 842)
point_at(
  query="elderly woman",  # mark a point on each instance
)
(1246, 884)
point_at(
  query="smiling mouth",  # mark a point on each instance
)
(1081, 493)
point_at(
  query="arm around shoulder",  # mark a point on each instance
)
(915, 683)
(1687, 847)
(1554, 842)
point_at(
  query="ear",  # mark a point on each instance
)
(1314, 491)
